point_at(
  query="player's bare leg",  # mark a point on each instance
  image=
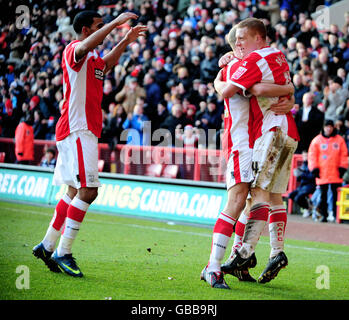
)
(224, 226)
(241, 273)
(256, 221)
(277, 226)
(236, 202)
(46, 247)
(240, 227)
(75, 215)
(222, 232)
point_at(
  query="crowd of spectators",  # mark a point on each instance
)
(167, 76)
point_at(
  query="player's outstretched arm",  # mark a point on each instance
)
(96, 38)
(271, 90)
(113, 56)
(285, 103)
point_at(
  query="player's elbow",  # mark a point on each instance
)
(227, 93)
(224, 95)
(257, 91)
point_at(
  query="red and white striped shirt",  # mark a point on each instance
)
(83, 92)
(265, 65)
(236, 136)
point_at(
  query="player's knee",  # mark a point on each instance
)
(71, 192)
(259, 195)
(236, 203)
(88, 194)
(94, 194)
(276, 199)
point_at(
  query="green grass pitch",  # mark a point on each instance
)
(125, 258)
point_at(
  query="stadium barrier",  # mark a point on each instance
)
(190, 163)
(187, 164)
(146, 197)
(342, 203)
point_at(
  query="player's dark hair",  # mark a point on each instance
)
(51, 150)
(84, 19)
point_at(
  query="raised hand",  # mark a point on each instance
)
(124, 17)
(135, 32)
(224, 60)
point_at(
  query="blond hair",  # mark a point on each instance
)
(232, 37)
(254, 26)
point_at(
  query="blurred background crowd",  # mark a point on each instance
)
(167, 77)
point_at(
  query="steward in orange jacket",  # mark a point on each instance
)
(328, 161)
(24, 141)
(329, 155)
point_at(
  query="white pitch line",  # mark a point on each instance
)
(181, 231)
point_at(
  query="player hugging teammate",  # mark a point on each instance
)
(259, 141)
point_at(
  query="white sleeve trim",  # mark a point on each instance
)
(244, 90)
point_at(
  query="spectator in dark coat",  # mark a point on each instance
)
(211, 119)
(299, 89)
(306, 32)
(115, 127)
(212, 115)
(161, 115)
(108, 95)
(309, 122)
(40, 128)
(174, 121)
(161, 75)
(306, 187)
(209, 66)
(153, 95)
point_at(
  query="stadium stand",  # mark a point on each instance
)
(174, 67)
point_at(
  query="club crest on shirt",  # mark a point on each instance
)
(335, 146)
(99, 74)
(239, 72)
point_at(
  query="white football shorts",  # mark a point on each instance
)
(77, 161)
(239, 167)
(271, 161)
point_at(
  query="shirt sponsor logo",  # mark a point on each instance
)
(280, 59)
(99, 74)
(239, 72)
